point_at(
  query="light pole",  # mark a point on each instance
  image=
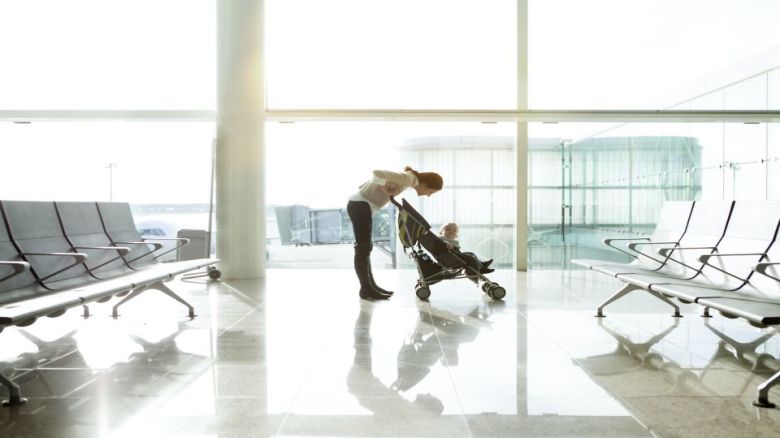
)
(110, 167)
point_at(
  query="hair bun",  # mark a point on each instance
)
(409, 169)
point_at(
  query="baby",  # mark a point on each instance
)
(449, 234)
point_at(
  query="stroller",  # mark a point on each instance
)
(418, 241)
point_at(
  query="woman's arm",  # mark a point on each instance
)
(401, 178)
(390, 189)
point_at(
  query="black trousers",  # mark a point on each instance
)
(360, 214)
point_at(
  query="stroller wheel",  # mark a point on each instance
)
(497, 292)
(486, 287)
(423, 292)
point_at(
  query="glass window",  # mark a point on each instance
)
(611, 183)
(162, 169)
(108, 54)
(744, 152)
(340, 156)
(391, 54)
(773, 162)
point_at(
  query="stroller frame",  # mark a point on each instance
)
(412, 240)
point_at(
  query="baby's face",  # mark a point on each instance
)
(451, 232)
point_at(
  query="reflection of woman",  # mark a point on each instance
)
(437, 336)
(370, 392)
(372, 196)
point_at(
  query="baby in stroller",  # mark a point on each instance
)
(449, 233)
(450, 263)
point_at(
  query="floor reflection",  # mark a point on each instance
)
(298, 354)
(714, 400)
(371, 393)
(92, 379)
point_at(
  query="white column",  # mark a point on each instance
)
(240, 202)
(521, 161)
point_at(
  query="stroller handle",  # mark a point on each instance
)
(392, 199)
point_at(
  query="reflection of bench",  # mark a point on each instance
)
(654, 387)
(725, 258)
(141, 361)
(55, 256)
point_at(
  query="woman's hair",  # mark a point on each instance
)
(431, 179)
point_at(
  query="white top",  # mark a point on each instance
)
(376, 198)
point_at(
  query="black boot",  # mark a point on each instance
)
(363, 271)
(373, 283)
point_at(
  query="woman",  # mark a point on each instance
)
(372, 196)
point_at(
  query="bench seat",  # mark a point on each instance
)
(755, 308)
(27, 310)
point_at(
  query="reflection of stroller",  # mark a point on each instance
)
(415, 234)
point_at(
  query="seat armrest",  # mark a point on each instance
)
(121, 249)
(762, 267)
(79, 256)
(18, 266)
(668, 251)
(155, 244)
(706, 257)
(635, 245)
(609, 241)
(181, 241)
(184, 240)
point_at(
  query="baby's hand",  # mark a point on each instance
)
(450, 247)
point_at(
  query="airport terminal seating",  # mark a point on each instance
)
(722, 255)
(59, 255)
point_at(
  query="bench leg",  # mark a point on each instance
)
(661, 297)
(167, 291)
(763, 392)
(706, 313)
(130, 296)
(627, 289)
(15, 393)
(162, 288)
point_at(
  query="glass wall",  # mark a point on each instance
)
(162, 169)
(319, 165)
(613, 182)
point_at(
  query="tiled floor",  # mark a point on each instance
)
(298, 354)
